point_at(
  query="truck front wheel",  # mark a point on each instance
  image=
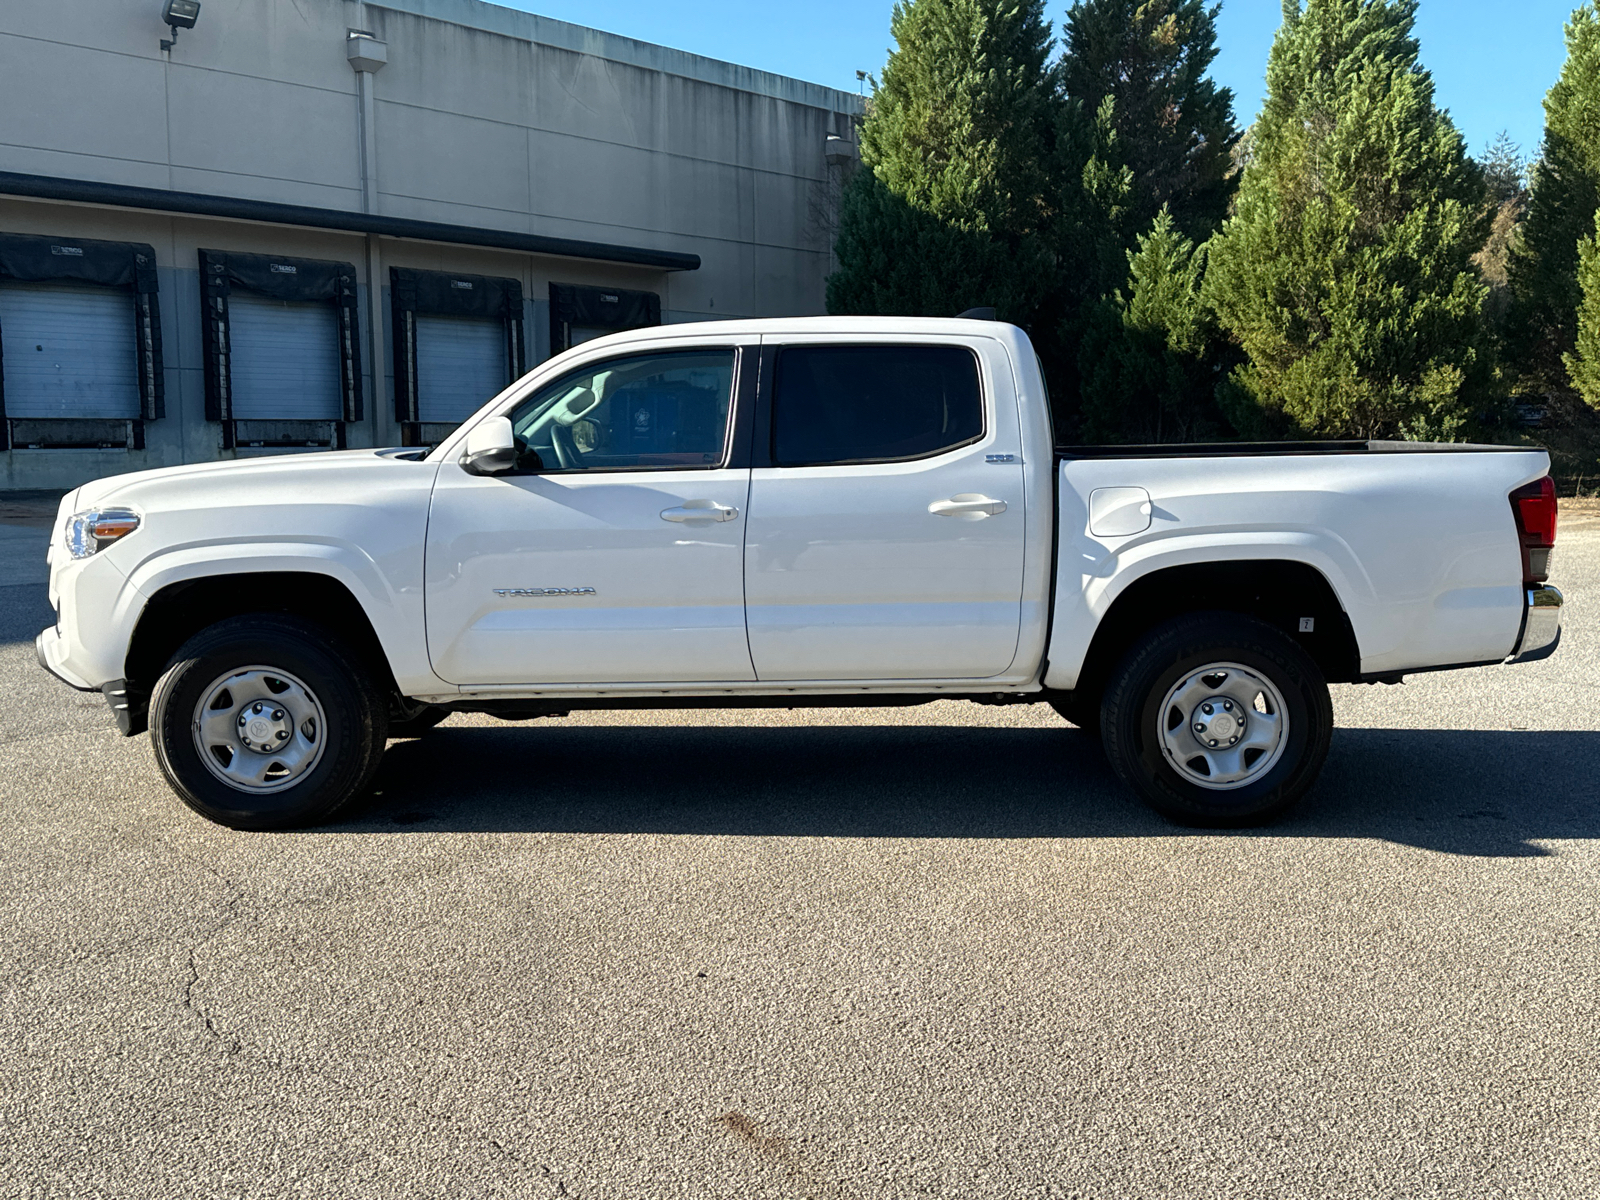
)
(265, 722)
(1218, 720)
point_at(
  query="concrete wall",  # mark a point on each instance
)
(484, 116)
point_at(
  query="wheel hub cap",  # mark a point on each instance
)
(264, 727)
(1219, 723)
(1223, 726)
(259, 729)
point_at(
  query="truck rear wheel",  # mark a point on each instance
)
(1217, 720)
(264, 722)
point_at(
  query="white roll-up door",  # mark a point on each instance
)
(461, 365)
(283, 359)
(68, 350)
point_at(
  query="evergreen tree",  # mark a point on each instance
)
(958, 201)
(1561, 210)
(1175, 126)
(1346, 274)
(1505, 171)
(1149, 361)
(1504, 178)
(1584, 364)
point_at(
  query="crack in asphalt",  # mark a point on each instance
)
(234, 1046)
(207, 1021)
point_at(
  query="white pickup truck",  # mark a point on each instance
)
(828, 511)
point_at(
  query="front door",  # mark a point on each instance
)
(885, 539)
(613, 552)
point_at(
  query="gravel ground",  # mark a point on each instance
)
(934, 952)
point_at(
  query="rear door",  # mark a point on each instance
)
(886, 526)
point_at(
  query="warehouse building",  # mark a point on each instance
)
(270, 226)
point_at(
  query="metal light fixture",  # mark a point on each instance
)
(179, 14)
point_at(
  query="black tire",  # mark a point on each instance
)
(418, 722)
(1082, 711)
(345, 744)
(1135, 732)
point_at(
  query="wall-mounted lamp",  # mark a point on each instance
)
(179, 14)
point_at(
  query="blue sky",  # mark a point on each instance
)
(1492, 60)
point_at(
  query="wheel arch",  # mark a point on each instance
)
(180, 609)
(1280, 592)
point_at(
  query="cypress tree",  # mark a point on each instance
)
(1175, 126)
(1149, 361)
(956, 203)
(1561, 210)
(1346, 274)
(1584, 364)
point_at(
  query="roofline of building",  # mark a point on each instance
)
(116, 195)
(547, 31)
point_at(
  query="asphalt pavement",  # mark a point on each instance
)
(848, 955)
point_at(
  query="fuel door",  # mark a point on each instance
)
(1119, 511)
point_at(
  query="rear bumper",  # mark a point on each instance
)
(1541, 625)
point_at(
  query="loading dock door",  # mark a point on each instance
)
(285, 359)
(69, 351)
(461, 365)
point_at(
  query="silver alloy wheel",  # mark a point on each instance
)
(259, 729)
(1223, 726)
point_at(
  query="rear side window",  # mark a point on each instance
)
(866, 404)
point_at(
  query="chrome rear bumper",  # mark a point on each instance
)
(1541, 625)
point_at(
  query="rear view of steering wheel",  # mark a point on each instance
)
(567, 453)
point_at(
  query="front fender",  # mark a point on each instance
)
(395, 613)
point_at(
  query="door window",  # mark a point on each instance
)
(664, 411)
(873, 404)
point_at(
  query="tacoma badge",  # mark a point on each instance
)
(583, 591)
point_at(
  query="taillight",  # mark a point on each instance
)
(1534, 506)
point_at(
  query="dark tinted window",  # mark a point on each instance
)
(849, 404)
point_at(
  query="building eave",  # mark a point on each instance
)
(116, 195)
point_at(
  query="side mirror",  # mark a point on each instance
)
(491, 448)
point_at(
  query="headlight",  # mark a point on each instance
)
(94, 530)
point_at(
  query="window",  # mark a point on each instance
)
(863, 404)
(662, 411)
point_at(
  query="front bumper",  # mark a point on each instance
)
(52, 650)
(1541, 625)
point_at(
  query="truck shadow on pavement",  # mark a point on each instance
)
(1455, 791)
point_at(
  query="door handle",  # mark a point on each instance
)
(969, 506)
(700, 510)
